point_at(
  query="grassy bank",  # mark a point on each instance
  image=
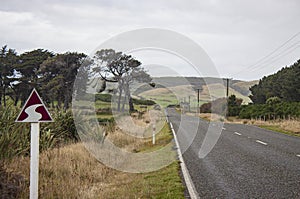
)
(67, 170)
(289, 127)
(72, 172)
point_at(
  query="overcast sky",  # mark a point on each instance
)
(235, 34)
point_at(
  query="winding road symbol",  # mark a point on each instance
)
(34, 110)
(32, 114)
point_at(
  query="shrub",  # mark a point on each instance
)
(15, 137)
(143, 102)
(270, 111)
(103, 97)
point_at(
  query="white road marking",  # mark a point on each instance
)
(298, 156)
(186, 175)
(223, 128)
(237, 133)
(261, 142)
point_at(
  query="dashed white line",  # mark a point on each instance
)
(237, 133)
(223, 128)
(261, 142)
(298, 156)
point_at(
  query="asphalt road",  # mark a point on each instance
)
(246, 161)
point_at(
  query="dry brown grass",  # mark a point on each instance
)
(291, 126)
(246, 84)
(211, 117)
(71, 172)
(66, 172)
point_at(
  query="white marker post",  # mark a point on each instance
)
(34, 159)
(34, 111)
(153, 134)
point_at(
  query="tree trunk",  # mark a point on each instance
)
(120, 96)
(58, 103)
(130, 102)
(131, 107)
(4, 97)
(66, 104)
(16, 100)
(66, 101)
(124, 102)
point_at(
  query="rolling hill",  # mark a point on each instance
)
(180, 89)
(172, 90)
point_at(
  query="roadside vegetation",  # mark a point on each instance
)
(67, 170)
(65, 161)
(82, 176)
(276, 103)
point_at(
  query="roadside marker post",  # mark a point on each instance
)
(34, 111)
(153, 134)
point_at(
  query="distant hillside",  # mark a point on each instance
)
(216, 92)
(243, 86)
(197, 82)
(168, 88)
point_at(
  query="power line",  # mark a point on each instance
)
(288, 52)
(271, 59)
(254, 65)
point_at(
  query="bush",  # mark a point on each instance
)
(104, 111)
(205, 108)
(62, 130)
(143, 102)
(271, 110)
(106, 120)
(103, 97)
(15, 137)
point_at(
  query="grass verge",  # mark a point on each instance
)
(72, 172)
(279, 129)
(289, 127)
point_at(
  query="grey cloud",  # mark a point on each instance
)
(234, 33)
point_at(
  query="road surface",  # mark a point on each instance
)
(246, 162)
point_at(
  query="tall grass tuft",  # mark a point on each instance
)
(15, 137)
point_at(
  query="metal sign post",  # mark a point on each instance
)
(34, 159)
(34, 111)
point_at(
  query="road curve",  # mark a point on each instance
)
(246, 162)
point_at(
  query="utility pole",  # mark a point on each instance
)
(189, 103)
(227, 93)
(227, 90)
(198, 100)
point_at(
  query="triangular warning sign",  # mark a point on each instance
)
(34, 110)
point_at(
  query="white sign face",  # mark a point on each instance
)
(34, 110)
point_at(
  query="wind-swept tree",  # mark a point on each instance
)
(139, 75)
(8, 59)
(120, 68)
